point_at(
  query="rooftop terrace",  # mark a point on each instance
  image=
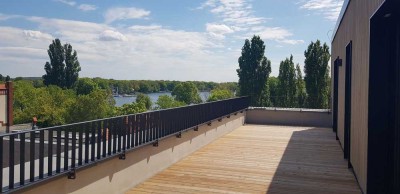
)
(260, 159)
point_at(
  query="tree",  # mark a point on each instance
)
(131, 108)
(300, 88)
(273, 89)
(186, 92)
(317, 74)
(72, 66)
(165, 101)
(63, 68)
(49, 104)
(8, 78)
(254, 70)
(287, 83)
(1, 78)
(144, 99)
(85, 86)
(96, 105)
(218, 94)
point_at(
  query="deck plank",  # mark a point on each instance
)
(260, 159)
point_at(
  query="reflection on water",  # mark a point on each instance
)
(119, 101)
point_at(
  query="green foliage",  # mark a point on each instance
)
(131, 108)
(98, 104)
(265, 99)
(54, 106)
(48, 104)
(254, 70)
(144, 99)
(72, 66)
(317, 74)
(63, 68)
(85, 86)
(300, 88)
(186, 92)
(287, 83)
(165, 101)
(219, 94)
(8, 78)
(273, 90)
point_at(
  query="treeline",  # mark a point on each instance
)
(87, 100)
(151, 86)
(290, 89)
(144, 86)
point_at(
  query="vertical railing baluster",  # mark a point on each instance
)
(50, 153)
(136, 129)
(66, 146)
(87, 141)
(114, 132)
(119, 132)
(32, 156)
(128, 131)
(98, 143)
(148, 130)
(140, 128)
(109, 125)
(93, 141)
(21, 159)
(80, 144)
(73, 147)
(11, 163)
(124, 129)
(132, 130)
(105, 129)
(58, 153)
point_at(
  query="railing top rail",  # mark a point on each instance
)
(290, 109)
(108, 118)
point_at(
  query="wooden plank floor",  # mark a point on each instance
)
(260, 159)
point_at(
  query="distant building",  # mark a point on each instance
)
(366, 91)
(6, 104)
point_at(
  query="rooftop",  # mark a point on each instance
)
(260, 159)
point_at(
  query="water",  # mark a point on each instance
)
(119, 101)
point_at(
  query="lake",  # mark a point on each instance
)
(119, 101)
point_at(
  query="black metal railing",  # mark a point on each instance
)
(55, 151)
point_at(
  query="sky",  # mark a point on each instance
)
(159, 39)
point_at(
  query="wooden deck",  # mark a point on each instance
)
(260, 159)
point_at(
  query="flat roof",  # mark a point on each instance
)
(339, 21)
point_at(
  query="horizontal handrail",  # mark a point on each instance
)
(291, 109)
(57, 154)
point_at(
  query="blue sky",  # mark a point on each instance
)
(159, 39)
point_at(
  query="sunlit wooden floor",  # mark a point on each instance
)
(260, 159)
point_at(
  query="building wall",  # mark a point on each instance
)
(3, 109)
(355, 27)
(291, 117)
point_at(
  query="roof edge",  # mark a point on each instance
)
(341, 15)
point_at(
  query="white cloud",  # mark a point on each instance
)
(87, 7)
(4, 17)
(218, 30)
(37, 35)
(146, 52)
(110, 35)
(124, 13)
(70, 3)
(278, 34)
(145, 28)
(329, 8)
(236, 13)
